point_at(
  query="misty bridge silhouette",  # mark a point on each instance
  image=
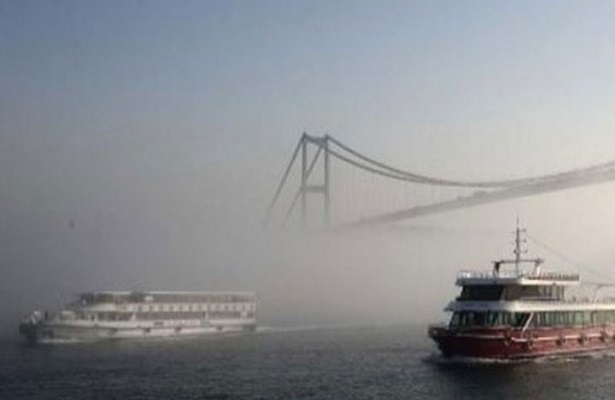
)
(374, 205)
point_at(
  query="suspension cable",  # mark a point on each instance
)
(371, 169)
(417, 178)
(569, 260)
(284, 176)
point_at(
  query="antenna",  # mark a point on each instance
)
(518, 250)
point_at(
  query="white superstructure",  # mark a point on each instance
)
(116, 315)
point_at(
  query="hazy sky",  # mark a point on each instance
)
(140, 140)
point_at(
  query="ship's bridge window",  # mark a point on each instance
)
(481, 292)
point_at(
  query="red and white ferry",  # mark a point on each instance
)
(523, 313)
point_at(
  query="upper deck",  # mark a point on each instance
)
(521, 278)
(121, 297)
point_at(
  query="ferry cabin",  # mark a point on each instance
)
(521, 314)
(116, 315)
(539, 319)
(163, 306)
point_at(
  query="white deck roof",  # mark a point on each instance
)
(544, 278)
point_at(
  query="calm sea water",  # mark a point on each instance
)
(358, 363)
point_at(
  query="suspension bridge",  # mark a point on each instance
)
(323, 161)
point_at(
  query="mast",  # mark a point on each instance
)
(518, 260)
(518, 249)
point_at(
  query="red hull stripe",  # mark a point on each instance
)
(509, 344)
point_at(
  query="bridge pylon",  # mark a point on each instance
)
(321, 144)
(311, 148)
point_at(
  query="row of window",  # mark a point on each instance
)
(98, 298)
(487, 319)
(510, 292)
(193, 307)
(573, 318)
(115, 316)
(539, 319)
(185, 307)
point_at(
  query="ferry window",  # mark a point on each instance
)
(465, 318)
(545, 291)
(512, 292)
(487, 292)
(587, 318)
(488, 319)
(569, 318)
(541, 319)
(577, 318)
(531, 292)
(550, 320)
(493, 319)
(518, 319)
(455, 319)
(560, 319)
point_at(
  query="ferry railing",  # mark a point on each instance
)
(559, 276)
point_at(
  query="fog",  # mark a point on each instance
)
(140, 144)
(74, 233)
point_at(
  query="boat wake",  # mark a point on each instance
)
(299, 328)
(60, 341)
(438, 359)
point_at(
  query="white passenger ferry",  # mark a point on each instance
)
(117, 315)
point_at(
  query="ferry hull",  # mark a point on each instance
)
(63, 332)
(515, 344)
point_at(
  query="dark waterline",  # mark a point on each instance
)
(346, 363)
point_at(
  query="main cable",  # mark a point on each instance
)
(569, 260)
(418, 178)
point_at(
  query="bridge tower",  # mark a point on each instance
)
(311, 148)
(321, 144)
